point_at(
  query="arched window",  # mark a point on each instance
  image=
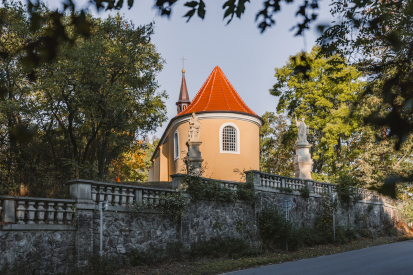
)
(229, 138)
(176, 145)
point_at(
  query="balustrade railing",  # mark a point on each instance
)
(42, 211)
(126, 195)
(270, 181)
(228, 184)
(294, 184)
(367, 194)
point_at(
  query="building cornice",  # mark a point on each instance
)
(178, 120)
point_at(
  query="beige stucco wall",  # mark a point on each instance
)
(218, 165)
(154, 172)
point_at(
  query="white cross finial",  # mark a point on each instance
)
(183, 61)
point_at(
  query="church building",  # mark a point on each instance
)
(229, 134)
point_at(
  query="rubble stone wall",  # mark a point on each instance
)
(123, 231)
(43, 251)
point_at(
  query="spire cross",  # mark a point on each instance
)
(183, 60)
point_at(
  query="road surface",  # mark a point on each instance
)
(388, 259)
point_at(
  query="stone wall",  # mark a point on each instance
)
(125, 231)
(43, 251)
(208, 219)
(29, 232)
(305, 210)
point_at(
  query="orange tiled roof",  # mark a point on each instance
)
(217, 94)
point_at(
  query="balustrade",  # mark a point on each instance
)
(270, 181)
(124, 196)
(33, 211)
(294, 184)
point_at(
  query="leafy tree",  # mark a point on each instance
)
(89, 105)
(322, 95)
(277, 145)
(382, 46)
(381, 43)
(134, 164)
(99, 95)
(14, 33)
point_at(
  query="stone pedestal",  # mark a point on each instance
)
(194, 159)
(303, 161)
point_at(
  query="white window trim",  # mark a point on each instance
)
(176, 154)
(221, 150)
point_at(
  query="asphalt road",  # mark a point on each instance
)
(389, 259)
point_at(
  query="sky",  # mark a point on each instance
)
(247, 57)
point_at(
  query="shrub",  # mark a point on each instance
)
(347, 189)
(388, 226)
(173, 205)
(304, 192)
(276, 231)
(199, 188)
(245, 191)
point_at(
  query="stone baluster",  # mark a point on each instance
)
(116, 196)
(109, 195)
(20, 212)
(145, 197)
(31, 212)
(60, 213)
(130, 196)
(40, 212)
(123, 197)
(156, 198)
(50, 213)
(0, 210)
(163, 194)
(101, 193)
(94, 193)
(69, 213)
(150, 197)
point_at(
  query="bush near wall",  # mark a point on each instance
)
(276, 232)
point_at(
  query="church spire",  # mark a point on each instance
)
(183, 101)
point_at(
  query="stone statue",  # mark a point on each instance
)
(303, 131)
(194, 128)
(302, 159)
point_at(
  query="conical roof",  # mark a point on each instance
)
(217, 94)
(183, 94)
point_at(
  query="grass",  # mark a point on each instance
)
(207, 266)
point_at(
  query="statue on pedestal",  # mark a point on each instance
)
(303, 131)
(194, 128)
(302, 160)
(194, 158)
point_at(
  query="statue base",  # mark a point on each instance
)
(302, 161)
(194, 159)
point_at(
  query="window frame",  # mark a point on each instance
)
(237, 141)
(176, 145)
